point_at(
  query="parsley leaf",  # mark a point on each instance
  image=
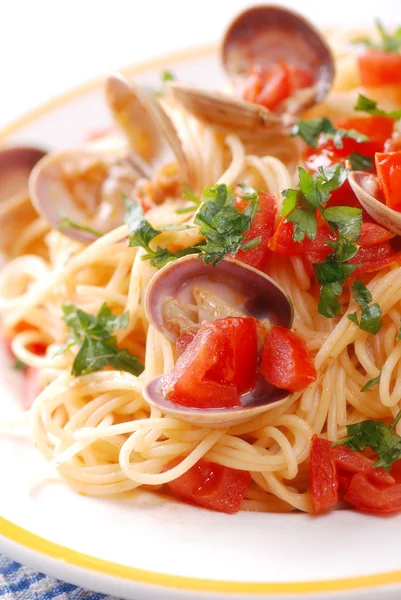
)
(221, 223)
(375, 435)
(328, 305)
(311, 130)
(347, 220)
(98, 345)
(360, 162)
(141, 233)
(389, 42)
(167, 76)
(67, 223)
(370, 106)
(19, 365)
(370, 320)
(300, 206)
(369, 384)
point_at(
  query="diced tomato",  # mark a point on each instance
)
(373, 235)
(187, 383)
(32, 387)
(378, 129)
(212, 486)
(270, 87)
(331, 469)
(356, 462)
(388, 167)
(282, 242)
(379, 68)
(318, 250)
(286, 362)
(323, 477)
(374, 258)
(241, 354)
(183, 341)
(263, 227)
(216, 366)
(366, 496)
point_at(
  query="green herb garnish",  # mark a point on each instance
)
(98, 344)
(360, 162)
(67, 223)
(311, 130)
(375, 435)
(365, 104)
(389, 42)
(19, 365)
(369, 384)
(371, 314)
(221, 224)
(300, 206)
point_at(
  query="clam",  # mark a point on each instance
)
(16, 210)
(146, 124)
(366, 188)
(260, 38)
(87, 185)
(187, 292)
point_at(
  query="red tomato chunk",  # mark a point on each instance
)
(379, 68)
(286, 362)
(388, 166)
(339, 469)
(212, 486)
(262, 226)
(218, 365)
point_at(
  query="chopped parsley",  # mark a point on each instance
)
(167, 76)
(141, 233)
(94, 334)
(377, 436)
(360, 162)
(19, 365)
(311, 130)
(67, 223)
(371, 314)
(314, 191)
(389, 42)
(365, 104)
(332, 274)
(372, 382)
(221, 224)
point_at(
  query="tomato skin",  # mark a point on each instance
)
(388, 166)
(374, 258)
(183, 341)
(317, 250)
(323, 477)
(355, 462)
(286, 362)
(263, 226)
(186, 384)
(366, 496)
(212, 486)
(282, 242)
(379, 68)
(373, 235)
(241, 353)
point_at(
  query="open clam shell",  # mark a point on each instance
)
(146, 124)
(86, 186)
(16, 210)
(264, 36)
(229, 289)
(366, 186)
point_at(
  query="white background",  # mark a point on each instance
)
(50, 46)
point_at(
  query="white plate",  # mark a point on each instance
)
(147, 547)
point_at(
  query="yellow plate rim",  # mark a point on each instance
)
(33, 542)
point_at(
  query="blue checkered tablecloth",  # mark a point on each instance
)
(21, 583)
